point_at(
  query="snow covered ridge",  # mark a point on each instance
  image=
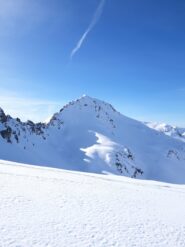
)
(89, 135)
(173, 131)
(44, 207)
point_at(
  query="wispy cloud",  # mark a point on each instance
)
(28, 108)
(94, 21)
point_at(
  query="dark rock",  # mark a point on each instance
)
(6, 134)
(3, 117)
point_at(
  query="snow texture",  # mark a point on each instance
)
(44, 207)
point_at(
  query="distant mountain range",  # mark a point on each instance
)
(173, 131)
(89, 135)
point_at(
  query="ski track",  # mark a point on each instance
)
(45, 207)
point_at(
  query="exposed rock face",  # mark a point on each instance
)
(6, 134)
(3, 117)
(11, 130)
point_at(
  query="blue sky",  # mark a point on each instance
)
(132, 55)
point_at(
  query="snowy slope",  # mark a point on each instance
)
(90, 135)
(173, 131)
(49, 207)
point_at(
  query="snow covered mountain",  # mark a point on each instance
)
(173, 131)
(90, 135)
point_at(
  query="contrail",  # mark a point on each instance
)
(95, 19)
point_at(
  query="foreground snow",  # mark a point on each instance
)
(51, 207)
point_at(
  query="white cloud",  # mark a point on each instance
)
(28, 108)
(93, 22)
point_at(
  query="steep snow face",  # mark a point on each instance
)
(90, 135)
(173, 131)
(44, 207)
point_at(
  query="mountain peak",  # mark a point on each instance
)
(84, 101)
(86, 97)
